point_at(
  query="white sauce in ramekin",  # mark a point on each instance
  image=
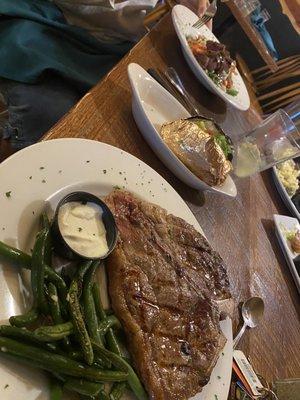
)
(82, 227)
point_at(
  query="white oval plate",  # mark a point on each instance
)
(37, 177)
(284, 224)
(284, 195)
(183, 19)
(152, 106)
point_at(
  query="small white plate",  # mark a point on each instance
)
(183, 19)
(284, 195)
(284, 224)
(152, 106)
(38, 177)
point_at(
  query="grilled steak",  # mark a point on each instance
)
(164, 282)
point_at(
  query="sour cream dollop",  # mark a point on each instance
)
(82, 227)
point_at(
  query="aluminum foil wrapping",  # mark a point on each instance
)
(197, 149)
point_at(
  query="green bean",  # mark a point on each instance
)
(54, 304)
(83, 387)
(78, 323)
(75, 355)
(82, 270)
(48, 245)
(89, 305)
(64, 273)
(53, 333)
(27, 336)
(112, 342)
(45, 222)
(24, 260)
(55, 310)
(38, 271)
(15, 256)
(117, 390)
(54, 362)
(24, 320)
(103, 396)
(55, 390)
(119, 362)
(108, 323)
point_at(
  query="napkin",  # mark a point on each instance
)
(35, 38)
(259, 23)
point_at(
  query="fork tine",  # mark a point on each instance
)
(202, 22)
(204, 19)
(199, 23)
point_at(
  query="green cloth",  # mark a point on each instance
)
(35, 39)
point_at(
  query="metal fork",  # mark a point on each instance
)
(207, 16)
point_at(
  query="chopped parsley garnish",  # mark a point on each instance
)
(42, 167)
(104, 171)
(216, 397)
(6, 386)
(44, 181)
(117, 187)
(30, 177)
(79, 229)
(94, 234)
(218, 377)
(60, 171)
(232, 92)
(8, 194)
(222, 353)
(88, 161)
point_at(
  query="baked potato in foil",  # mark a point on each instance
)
(202, 146)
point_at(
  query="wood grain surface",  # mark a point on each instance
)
(241, 229)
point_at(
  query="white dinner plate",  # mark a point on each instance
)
(34, 180)
(283, 225)
(152, 106)
(284, 194)
(183, 19)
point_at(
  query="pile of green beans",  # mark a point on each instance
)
(67, 332)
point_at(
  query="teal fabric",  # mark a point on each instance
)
(35, 39)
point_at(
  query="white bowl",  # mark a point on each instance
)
(283, 224)
(284, 195)
(183, 19)
(152, 106)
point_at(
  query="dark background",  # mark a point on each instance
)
(285, 38)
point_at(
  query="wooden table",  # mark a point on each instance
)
(252, 34)
(241, 229)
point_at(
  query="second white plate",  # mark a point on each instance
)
(183, 19)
